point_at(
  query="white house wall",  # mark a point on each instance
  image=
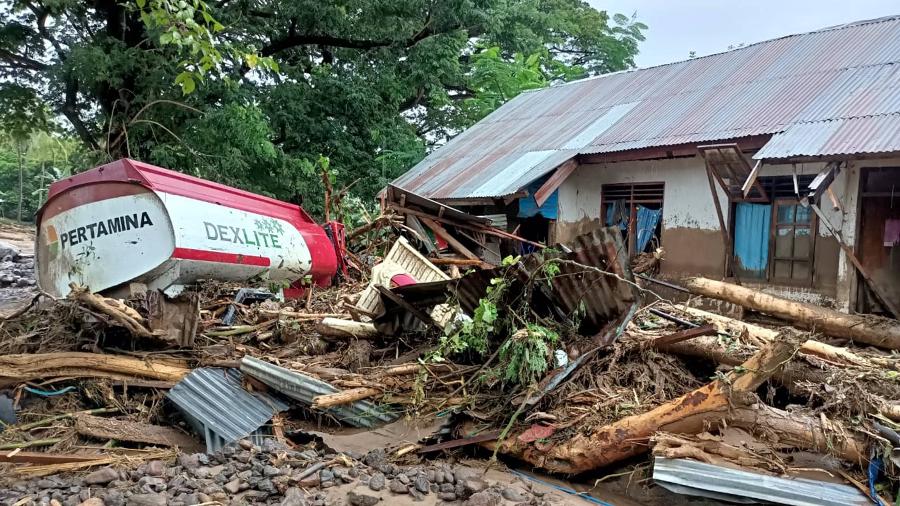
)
(691, 236)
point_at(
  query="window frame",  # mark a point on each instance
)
(773, 231)
(637, 194)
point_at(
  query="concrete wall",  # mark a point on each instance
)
(690, 227)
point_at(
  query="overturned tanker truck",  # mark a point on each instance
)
(128, 221)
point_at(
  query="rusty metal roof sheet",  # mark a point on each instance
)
(867, 134)
(842, 73)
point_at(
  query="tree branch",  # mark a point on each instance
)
(22, 61)
(70, 111)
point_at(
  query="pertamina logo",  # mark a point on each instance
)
(52, 242)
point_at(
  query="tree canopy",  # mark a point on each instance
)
(253, 93)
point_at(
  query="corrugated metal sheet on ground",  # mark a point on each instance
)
(752, 223)
(303, 388)
(690, 477)
(840, 73)
(215, 403)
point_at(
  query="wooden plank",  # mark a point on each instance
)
(43, 457)
(726, 239)
(123, 430)
(562, 173)
(683, 335)
(751, 179)
(446, 236)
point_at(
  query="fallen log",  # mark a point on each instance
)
(872, 330)
(112, 310)
(135, 432)
(629, 436)
(347, 329)
(344, 397)
(827, 352)
(15, 369)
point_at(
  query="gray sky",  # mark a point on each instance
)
(710, 26)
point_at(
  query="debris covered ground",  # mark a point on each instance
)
(442, 346)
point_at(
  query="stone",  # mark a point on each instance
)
(404, 479)
(447, 496)
(462, 473)
(93, 501)
(233, 486)
(294, 497)
(358, 499)
(246, 444)
(266, 486)
(272, 471)
(152, 484)
(113, 498)
(397, 487)
(326, 475)
(310, 481)
(484, 498)
(190, 499)
(326, 484)
(147, 500)
(189, 461)
(376, 482)
(46, 484)
(375, 457)
(155, 468)
(101, 476)
(54, 502)
(447, 487)
(421, 484)
(473, 485)
(513, 494)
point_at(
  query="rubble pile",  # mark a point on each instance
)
(16, 269)
(459, 340)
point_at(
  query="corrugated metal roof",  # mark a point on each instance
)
(841, 73)
(218, 407)
(868, 134)
(685, 476)
(303, 388)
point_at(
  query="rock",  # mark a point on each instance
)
(484, 498)
(447, 487)
(233, 486)
(246, 444)
(54, 502)
(101, 476)
(513, 494)
(46, 484)
(189, 462)
(326, 484)
(404, 479)
(190, 499)
(267, 486)
(113, 498)
(376, 482)
(147, 500)
(310, 481)
(356, 499)
(447, 496)
(463, 473)
(375, 457)
(326, 475)
(272, 471)
(93, 501)
(8, 252)
(294, 497)
(421, 484)
(473, 485)
(156, 468)
(151, 484)
(397, 487)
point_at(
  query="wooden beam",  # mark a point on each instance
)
(751, 179)
(684, 335)
(446, 236)
(562, 173)
(726, 239)
(43, 457)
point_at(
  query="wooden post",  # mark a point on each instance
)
(726, 237)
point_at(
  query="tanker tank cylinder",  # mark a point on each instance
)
(128, 221)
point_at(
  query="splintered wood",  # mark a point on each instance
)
(123, 430)
(15, 369)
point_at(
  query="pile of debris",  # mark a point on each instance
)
(448, 347)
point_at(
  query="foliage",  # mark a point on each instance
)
(526, 354)
(45, 158)
(252, 94)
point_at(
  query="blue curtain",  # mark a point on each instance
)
(751, 238)
(647, 219)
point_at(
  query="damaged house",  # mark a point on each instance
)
(798, 138)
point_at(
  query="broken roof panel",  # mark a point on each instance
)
(842, 73)
(217, 406)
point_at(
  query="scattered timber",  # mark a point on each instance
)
(872, 330)
(335, 327)
(123, 430)
(15, 369)
(628, 436)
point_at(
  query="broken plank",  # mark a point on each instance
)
(684, 335)
(43, 457)
(335, 327)
(452, 241)
(558, 178)
(136, 432)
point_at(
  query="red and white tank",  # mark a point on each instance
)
(128, 221)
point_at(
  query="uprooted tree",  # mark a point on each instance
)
(251, 93)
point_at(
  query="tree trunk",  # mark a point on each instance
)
(21, 180)
(873, 330)
(629, 436)
(124, 430)
(344, 397)
(347, 329)
(16, 369)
